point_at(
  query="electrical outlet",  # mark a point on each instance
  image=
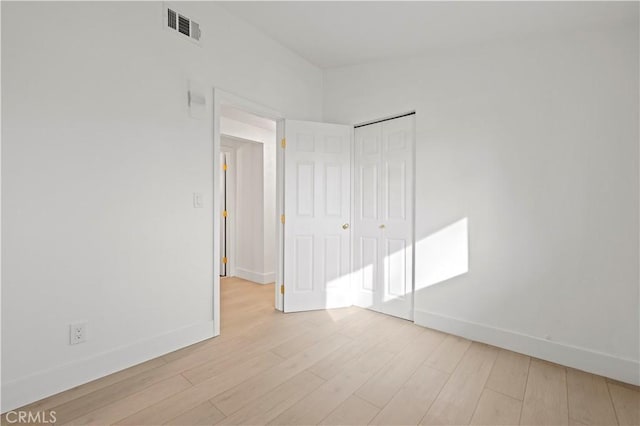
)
(77, 333)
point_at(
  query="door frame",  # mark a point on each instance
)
(220, 98)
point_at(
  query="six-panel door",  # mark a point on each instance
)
(383, 216)
(317, 214)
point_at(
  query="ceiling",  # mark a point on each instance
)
(334, 34)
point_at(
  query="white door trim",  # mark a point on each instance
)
(220, 98)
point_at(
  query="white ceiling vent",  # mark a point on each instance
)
(179, 24)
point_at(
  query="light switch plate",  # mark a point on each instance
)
(197, 200)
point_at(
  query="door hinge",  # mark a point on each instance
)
(224, 260)
(225, 213)
(283, 143)
(281, 288)
(282, 218)
(224, 167)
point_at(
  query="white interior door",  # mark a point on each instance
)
(383, 216)
(317, 195)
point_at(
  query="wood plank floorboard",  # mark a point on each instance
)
(495, 408)
(234, 399)
(271, 404)
(347, 366)
(509, 374)
(203, 414)
(545, 398)
(458, 399)
(383, 386)
(185, 400)
(409, 405)
(128, 406)
(627, 404)
(331, 394)
(589, 401)
(353, 411)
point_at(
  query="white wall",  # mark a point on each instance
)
(535, 142)
(270, 216)
(250, 211)
(100, 160)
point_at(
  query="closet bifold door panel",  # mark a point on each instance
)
(383, 216)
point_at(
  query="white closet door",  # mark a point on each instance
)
(367, 253)
(383, 216)
(317, 192)
(397, 216)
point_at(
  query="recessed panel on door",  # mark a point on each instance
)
(368, 198)
(369, 265)
(369, 144)
(305, 177)
(333, 144)
(396, 140)
(395, 268)
(333, 189)
(303, 266)
(305, 142)
(396, 200)
(333, 260)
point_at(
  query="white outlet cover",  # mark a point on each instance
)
(77, 333)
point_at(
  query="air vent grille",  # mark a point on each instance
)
(178, 23)
(171, 18)
(183, 25)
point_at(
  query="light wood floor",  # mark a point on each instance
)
(347, 366)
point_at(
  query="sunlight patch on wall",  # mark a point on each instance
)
(443, 255)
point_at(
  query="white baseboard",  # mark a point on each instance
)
(256, 277)
(49, 382)
(625, 370)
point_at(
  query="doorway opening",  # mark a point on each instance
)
(244, 124)
(247, 208)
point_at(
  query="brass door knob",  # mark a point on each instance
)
(345, 226)
(382, 226)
